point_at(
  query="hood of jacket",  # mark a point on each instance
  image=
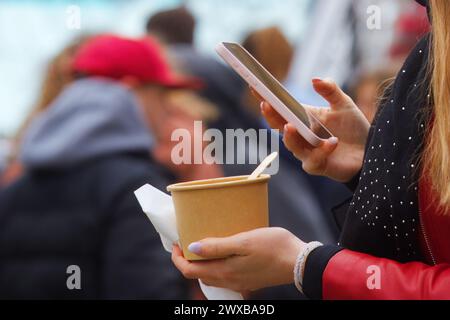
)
(90, 119)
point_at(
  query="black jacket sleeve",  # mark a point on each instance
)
(315, 266)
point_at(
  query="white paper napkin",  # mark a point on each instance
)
(158, 207)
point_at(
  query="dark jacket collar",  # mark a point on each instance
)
(423, 2)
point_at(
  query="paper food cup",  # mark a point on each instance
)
(219, 208)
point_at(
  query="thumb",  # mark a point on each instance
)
(317, 159)
(218, 248)
(331, 92)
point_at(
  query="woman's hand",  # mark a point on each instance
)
(254, 260)
(339, 159)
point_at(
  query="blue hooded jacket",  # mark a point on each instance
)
(92, 118)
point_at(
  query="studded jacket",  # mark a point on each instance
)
(394, 243)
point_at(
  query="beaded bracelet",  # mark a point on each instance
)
(300, 264)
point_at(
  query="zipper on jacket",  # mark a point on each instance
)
(424, 233)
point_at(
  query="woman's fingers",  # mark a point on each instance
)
(295, 143)
(181, 263)
(331, 92)
(256, 94)
(316, 162)
(320, 113)
(190, 270)
(314, 158)
(212, 273)
(218, 248)
(272, 116)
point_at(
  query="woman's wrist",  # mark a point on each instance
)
(288, 256)
(299, 268)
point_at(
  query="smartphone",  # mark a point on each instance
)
(269, 88)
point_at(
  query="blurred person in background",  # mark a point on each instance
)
(175, 28)
(183, 106)
(179, 31)
(58, 75)
(293, 202)
(83, 158)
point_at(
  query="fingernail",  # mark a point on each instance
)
(262, 106)
(333, 140)
(286, 128)
(317, 80)
(195, 247)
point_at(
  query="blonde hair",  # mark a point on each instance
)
(436, 157)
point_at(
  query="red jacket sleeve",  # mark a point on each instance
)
(350, 275)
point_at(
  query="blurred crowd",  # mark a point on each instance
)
(101, 127)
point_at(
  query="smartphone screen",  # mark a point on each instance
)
(275, 86)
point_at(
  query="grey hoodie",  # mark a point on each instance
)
(91, 118)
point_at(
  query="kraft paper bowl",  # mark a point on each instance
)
(219, 208)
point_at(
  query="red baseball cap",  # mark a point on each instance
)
(117, 57)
